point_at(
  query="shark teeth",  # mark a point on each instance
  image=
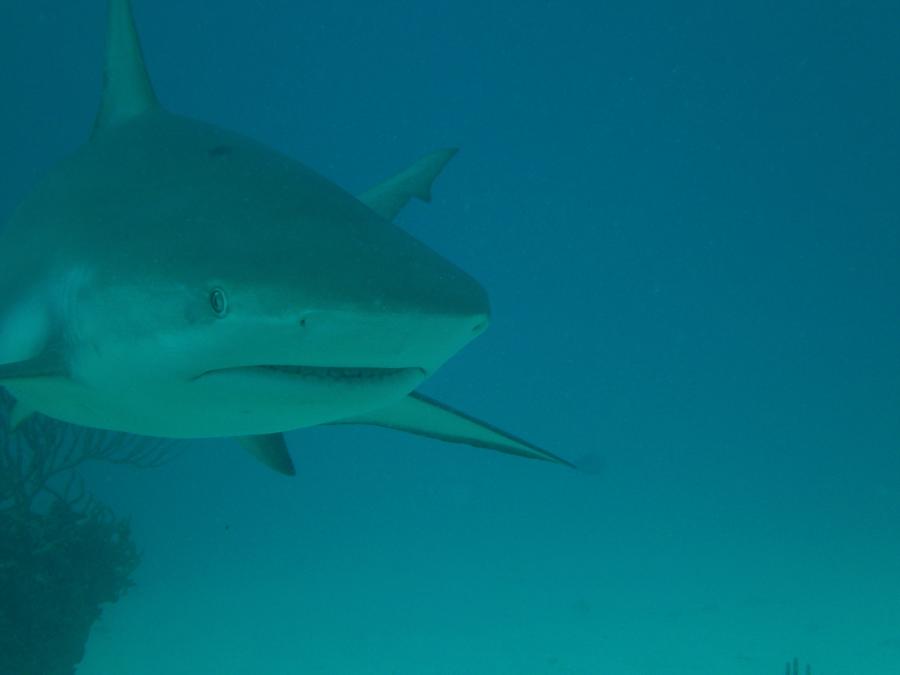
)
(335, 373)
(330, 373)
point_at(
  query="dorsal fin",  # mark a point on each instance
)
(127, 91)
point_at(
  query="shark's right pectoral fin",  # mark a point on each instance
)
(418, 414)
(271, 450)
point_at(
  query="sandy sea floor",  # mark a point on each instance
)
(440, 577)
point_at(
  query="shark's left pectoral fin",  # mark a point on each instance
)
(388, 198)
(271, 450)
(418, 414)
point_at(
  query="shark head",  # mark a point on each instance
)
(274, 265)
(276, 290)
(355, 297)
(321, 315)
(175, 279)
(210, 273)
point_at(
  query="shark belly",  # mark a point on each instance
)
(243, 402)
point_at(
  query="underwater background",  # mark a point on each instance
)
(687, 217)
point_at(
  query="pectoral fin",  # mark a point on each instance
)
(418, 414)
(271, 450)
(48, 364)
(389, 198)
(32, 343)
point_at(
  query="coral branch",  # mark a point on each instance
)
(62, 553)
(44, 451)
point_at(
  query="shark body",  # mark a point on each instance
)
(175, 279)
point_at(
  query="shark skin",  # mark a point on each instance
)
(174, 279)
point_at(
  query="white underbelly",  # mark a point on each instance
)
(231, 403)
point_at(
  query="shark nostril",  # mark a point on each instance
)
(303, 322)
(480, 327)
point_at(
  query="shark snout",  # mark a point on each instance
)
(412, 326)
(455, 311)
(480, 324)
(452, 292)
(386, 339)
(423, 310)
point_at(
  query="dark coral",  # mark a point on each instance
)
(56, 570)
(63, 554)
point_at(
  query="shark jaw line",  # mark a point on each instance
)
(332, 374)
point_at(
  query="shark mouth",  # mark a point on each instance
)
(333, 374)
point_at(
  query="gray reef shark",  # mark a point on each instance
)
(176, 280)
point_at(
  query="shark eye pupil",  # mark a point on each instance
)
(218, 301)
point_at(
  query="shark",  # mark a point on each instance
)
(177, 280)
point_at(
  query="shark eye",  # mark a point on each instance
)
(218, 301)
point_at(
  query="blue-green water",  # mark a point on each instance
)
(688, 220)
